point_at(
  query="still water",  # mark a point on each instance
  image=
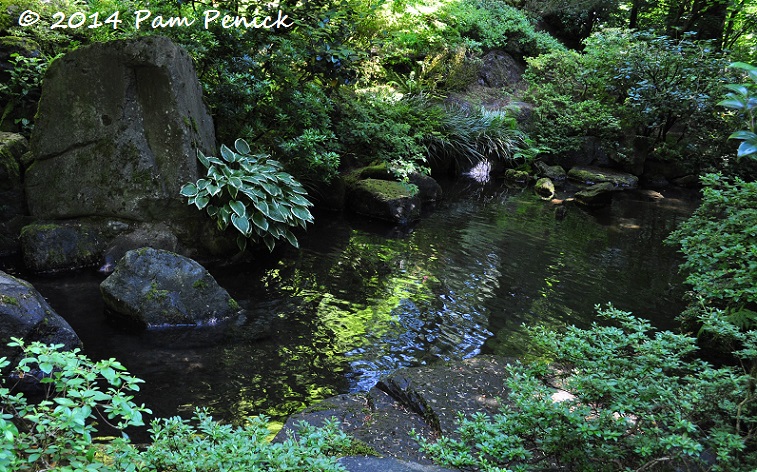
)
(362, 299)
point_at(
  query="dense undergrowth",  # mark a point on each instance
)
(357, 82)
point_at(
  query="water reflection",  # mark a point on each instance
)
(361, 300)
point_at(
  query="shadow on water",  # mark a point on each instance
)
(361, 299)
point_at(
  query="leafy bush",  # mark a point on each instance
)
(57, 431)
(20, 93)
(252, 193)
(632, 400)
(743, 99)
(205, 445)
(719, 249)
(631, 84)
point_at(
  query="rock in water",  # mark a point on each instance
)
(24, 313)
(118, 127)
(155, 288)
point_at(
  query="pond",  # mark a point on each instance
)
(362, 299)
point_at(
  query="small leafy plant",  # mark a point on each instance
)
(743, 99)
(252, 193)
(205, 445)
(632, 399)
(57, 431)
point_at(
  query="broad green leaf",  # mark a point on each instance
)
(227, 154)
(263, 207)
(241, 243)
(269, 242)
(238, 207)
(743, 134)
(747, 148)
(259, 220)
(733, 103)
(201, 201)
(241, 223)
(189, 190)
(241, 146)
(741, 89)
(236, 182)
(203, 160)
(302, 213)
(299, 200)
(291, 238)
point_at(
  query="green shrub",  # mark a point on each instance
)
(21, 92)
(718, 243)
(252, 193)
(630, 84)
(742, 98)
(204, 445)
(57, 431)
(638, 400)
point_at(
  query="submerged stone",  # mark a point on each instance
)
(594, 175)
(156, 288)
(24, 313)
(385, 200)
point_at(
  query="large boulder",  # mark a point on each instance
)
(24, 313)
(596, 195)
(385, 200)
(156, 288)
(117, 133)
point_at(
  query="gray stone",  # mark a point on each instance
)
(118, 129)
(500, 69)
(386, 464)
(594, 175)
(55, 247)
(545, 189)
(517, 176)
(25, 314)
(429, 189)
(596, 195)
(155, 288)
(555, 173)
(156, 237)
(426, 399)
(384, 200)
(687, 181)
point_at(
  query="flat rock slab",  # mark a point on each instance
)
(439, 392)
(595, 175)
(386, 464)
(425, 399)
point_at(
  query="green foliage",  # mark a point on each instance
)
(252, 193)
(718, 242)
(22, 90)
(743, 99)
(77, 393)
(631, 84)
(205, 445)
(637, 400)
(56, 431)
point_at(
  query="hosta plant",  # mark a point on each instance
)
(252, 193)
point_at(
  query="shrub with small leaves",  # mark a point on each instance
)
(633, 399)
(252, 193)
(742, 98)
(203, 445)
(56, 432)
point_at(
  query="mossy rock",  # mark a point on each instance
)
(545, 188)
(517, 176)
(383, 199)
(597, 195)
(24, 313)
(157, 288)
(50, 247)
(594, 175)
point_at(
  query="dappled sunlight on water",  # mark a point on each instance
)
(360, 300)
